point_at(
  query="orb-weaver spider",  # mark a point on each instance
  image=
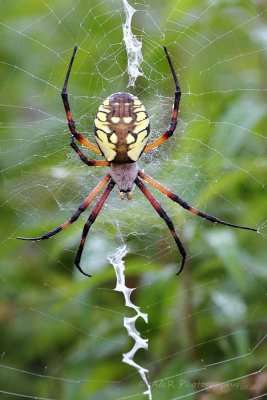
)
(121, 129)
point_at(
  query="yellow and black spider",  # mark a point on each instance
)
(121, 129)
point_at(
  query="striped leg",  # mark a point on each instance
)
(166, 135)
(90, 222)
(76, 215)
(90, 163)
(166, 218)
(185, 205)
(71, 123)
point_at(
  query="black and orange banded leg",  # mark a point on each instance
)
(177, 96)
(90, 222)
(76, 215)
(166, 218)
(90, 163)
(187, 206)
(71, 123)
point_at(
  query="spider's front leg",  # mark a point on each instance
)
(71, 123)
(177, 96)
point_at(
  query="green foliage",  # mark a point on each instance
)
(62, 336)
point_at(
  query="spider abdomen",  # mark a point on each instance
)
(121, 128)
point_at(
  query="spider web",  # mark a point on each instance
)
(62, 335)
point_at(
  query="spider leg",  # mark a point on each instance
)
(90, 163)
(71, 123)
(166, 135)
(90, 222)
(187, 206)
(76, 215)
(166, 218)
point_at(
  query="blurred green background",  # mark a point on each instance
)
(62, 335)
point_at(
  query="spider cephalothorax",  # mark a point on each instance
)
(121, 129)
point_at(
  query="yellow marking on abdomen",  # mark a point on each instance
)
(141, 108)
(135, 149)
(101, 136)
(102, 116)
(140, 126)
(140, 116)
(139, 140)
(104, 109)
(141, 136)
(107, 148)
(104, 126)
(115, 120)
(127, 120)
(113, 138)
(130, 139)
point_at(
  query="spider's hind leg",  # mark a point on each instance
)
(90, 222)
(166, 218)
(187, 206)
(75, 216)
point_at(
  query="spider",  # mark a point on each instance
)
(121, 130)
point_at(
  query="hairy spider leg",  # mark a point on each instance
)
(187, 206)
(76, 215)
(71, 123)
(166, 135)
(90, 163)
(166, 218)
(90, 222)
